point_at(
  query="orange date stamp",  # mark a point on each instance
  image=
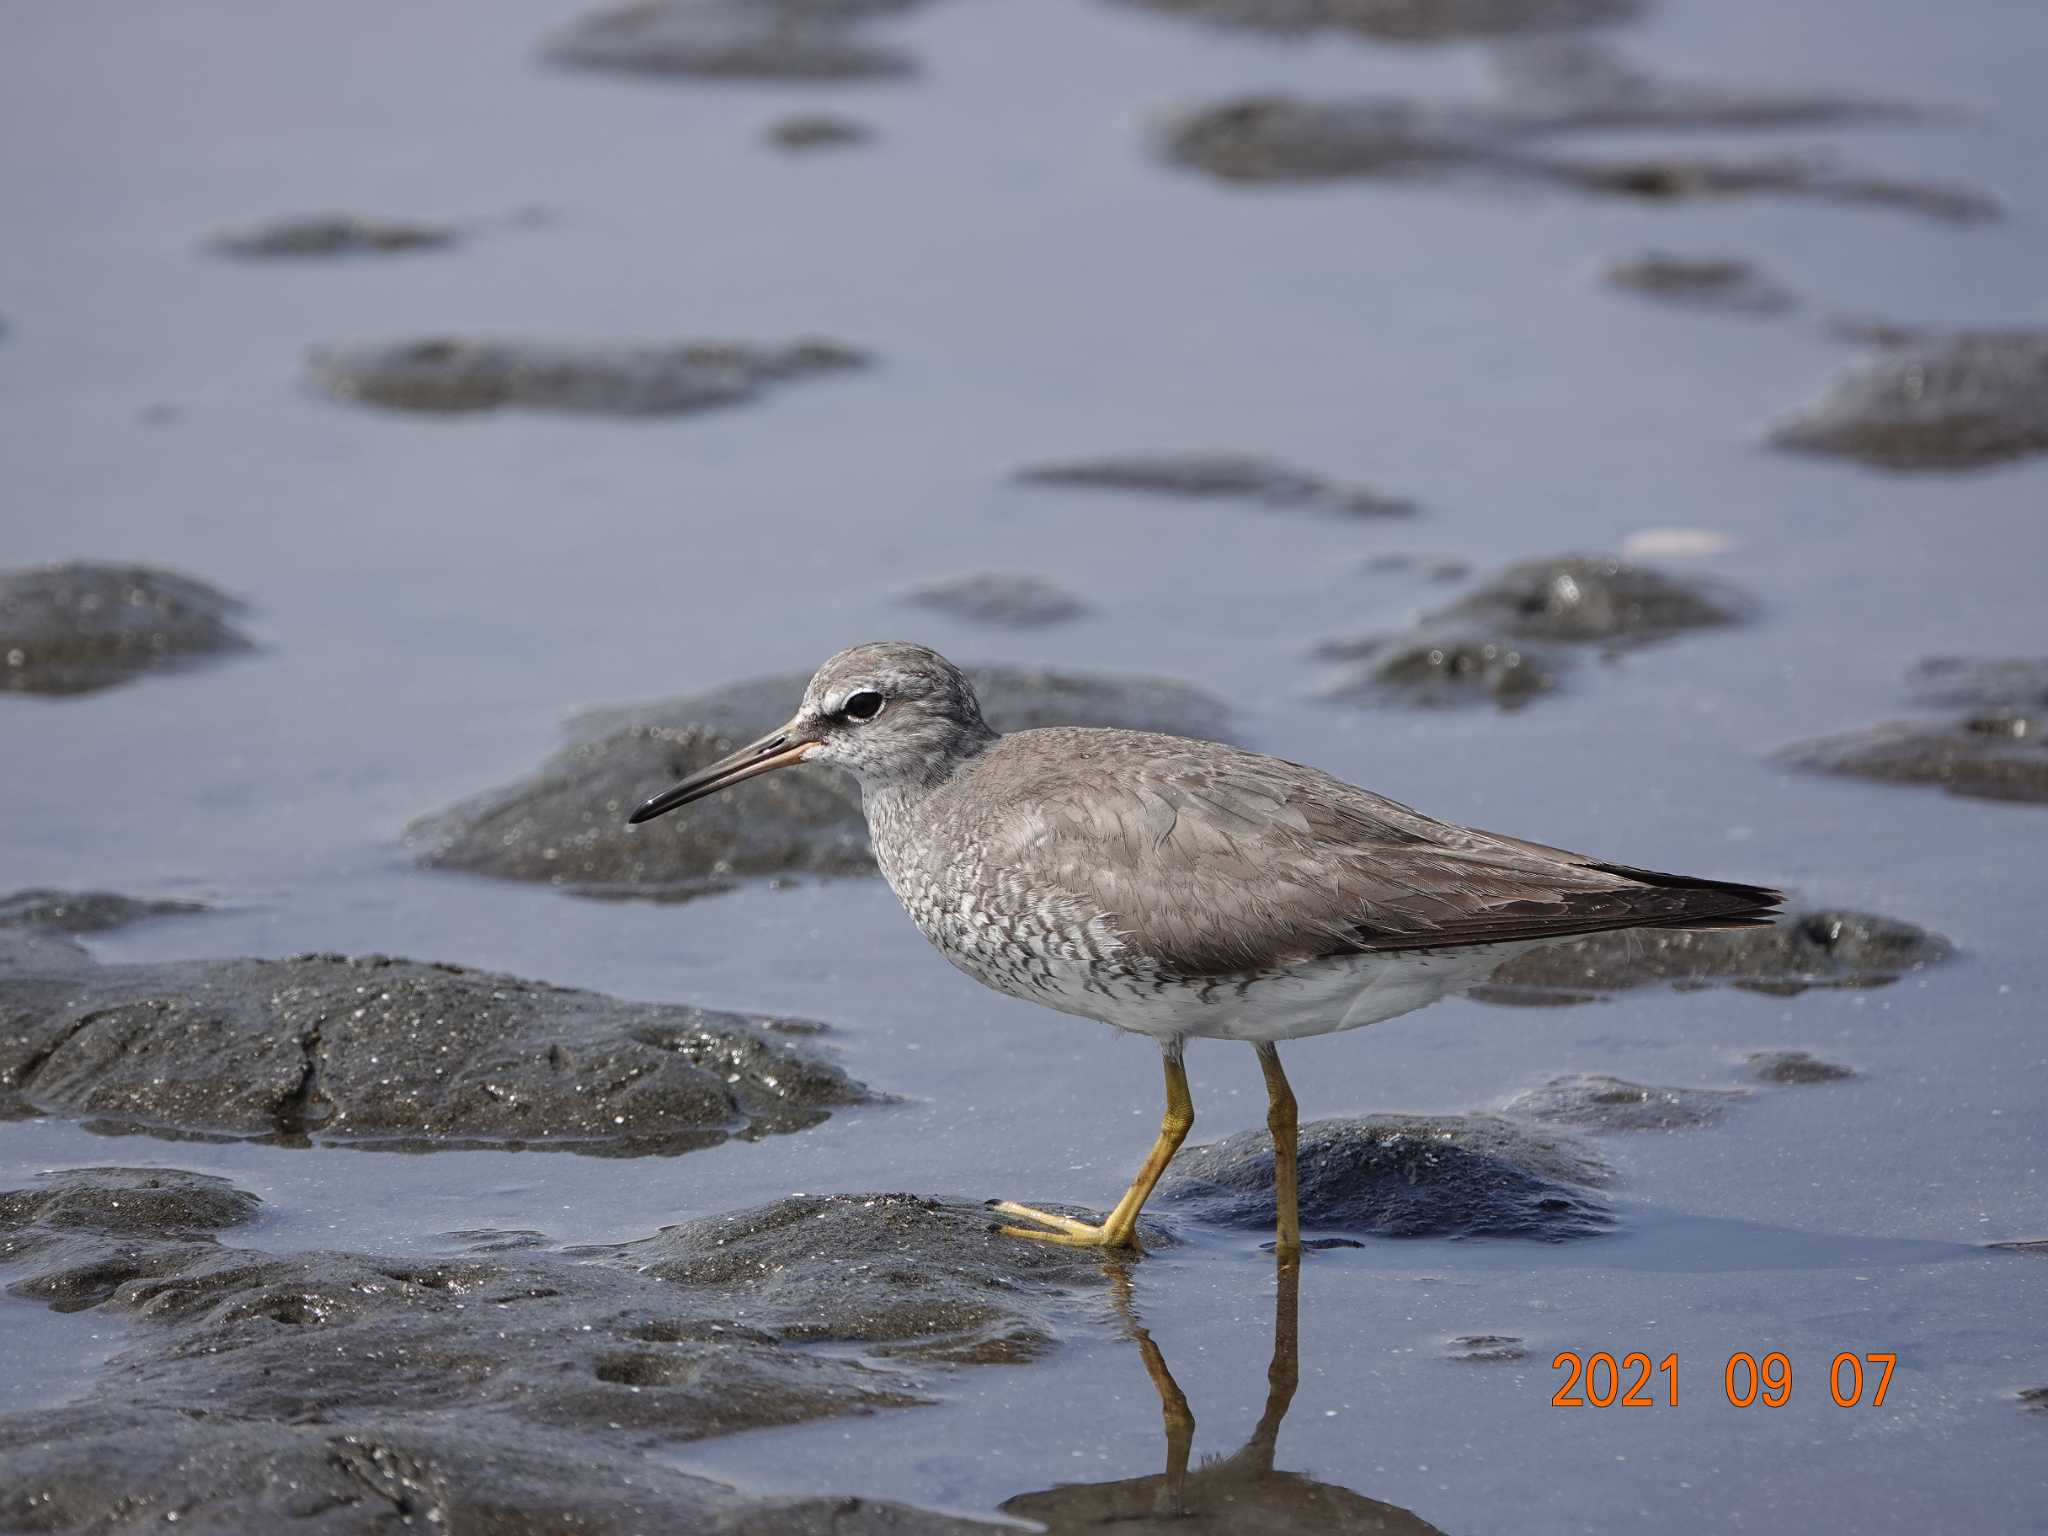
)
(1600, 1380)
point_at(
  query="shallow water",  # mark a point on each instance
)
(432, 595)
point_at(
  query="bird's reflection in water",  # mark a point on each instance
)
(1240, 1493)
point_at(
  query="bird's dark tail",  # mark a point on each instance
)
(1708, 903)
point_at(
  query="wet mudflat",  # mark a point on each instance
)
(1631, 1156)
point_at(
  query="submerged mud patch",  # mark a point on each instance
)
(459, 374)
(1219, 476)
(1596, 1102)
(381, 1052)
(817, 130)
(566, 824)
(817, 40)
(49, 911)
(303, 236)
(1719, 283)
(1998, 750)
(1440, 668)
(1546, 92)
(77, 628)
(1006, 600)
(1487, 1349)
(1992, 755)
(1398, 20)
(1794, 1067)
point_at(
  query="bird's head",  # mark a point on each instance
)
(892, 713)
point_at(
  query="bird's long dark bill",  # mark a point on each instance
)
(764, 756)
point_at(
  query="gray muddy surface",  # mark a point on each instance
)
(276, 1249)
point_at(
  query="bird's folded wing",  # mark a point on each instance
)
(1211, 862)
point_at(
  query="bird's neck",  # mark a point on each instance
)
(891, 801)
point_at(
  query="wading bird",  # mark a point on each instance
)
(1183, 889)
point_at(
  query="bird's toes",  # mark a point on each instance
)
(1067, 1225)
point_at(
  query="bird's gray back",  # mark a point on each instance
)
(1149, 859)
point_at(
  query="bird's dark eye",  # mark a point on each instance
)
(864, 705)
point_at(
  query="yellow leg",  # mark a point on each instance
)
(1120, 1228)
(1286, 1129)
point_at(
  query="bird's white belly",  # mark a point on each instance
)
(1320, 997)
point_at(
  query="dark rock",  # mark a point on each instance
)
(1978, 683)
(48, 911)
(1587, 598)
(746, 39)
(1802, 950)
(75, 628)
(392, 1052)
(331, 234)
(1013, 602)
(1231, 476)
(1447, 668)
(567, 823)
(817, 131)
(475, 374)
(1948, 402)
(1599, 1103)
(497, 1394)
(1403, 1176)
(1488, 1349)
(1794, 1067)
(1710, 282)
(1991, 755)
(1404, 20)
(2034, 1399)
